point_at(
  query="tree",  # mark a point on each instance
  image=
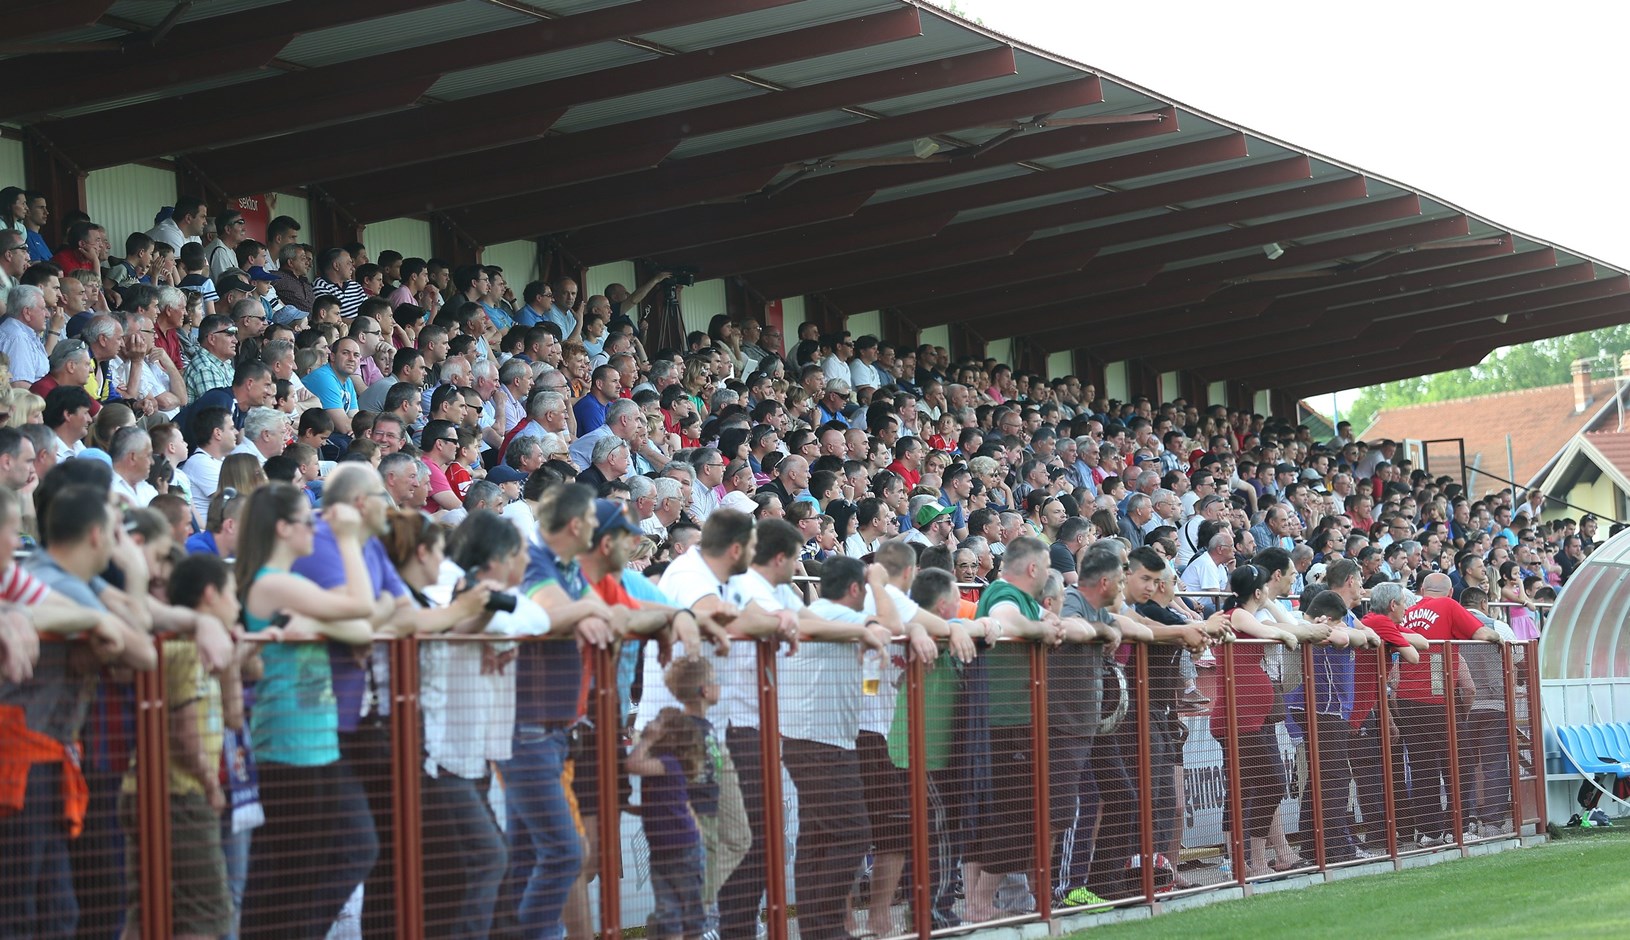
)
(955, 9)
(1531, 365)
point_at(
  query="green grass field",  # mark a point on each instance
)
(1575, 886)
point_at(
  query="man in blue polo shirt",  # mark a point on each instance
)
(605, 387)
(544, 850)
(333, 385)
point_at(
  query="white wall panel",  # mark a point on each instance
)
(411, 237)
(620, 272)
(861, 324)
(935, 336)
(1262, 404)
(1217, 393)
(519, 259)
(124, 199)
(1001, 350)
(11, 163)
(1060, 364)
(295, 207)
(701, 302)
(1115, 385)
(1170, 383)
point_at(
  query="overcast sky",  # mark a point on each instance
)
(1511, 111)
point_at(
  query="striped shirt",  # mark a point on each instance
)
(19, 587)
(350, 294)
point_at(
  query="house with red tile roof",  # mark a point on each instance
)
(1572, 440)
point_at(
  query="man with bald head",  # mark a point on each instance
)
(1421, 687)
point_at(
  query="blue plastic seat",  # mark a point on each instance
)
(1584, 755)
(1619, 737)
(1602, 740)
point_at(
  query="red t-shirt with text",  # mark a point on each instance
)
(1437, 619)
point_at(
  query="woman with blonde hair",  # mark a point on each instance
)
(242, 472)
(26, 407)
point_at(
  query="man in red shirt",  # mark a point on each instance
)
(1421, 708)
(908, 461)
(85, 249)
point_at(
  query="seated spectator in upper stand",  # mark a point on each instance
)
(335, 268)
(853, 441)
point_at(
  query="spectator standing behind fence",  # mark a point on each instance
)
(199, 706)
(1485, 783)
(460, 698)
(1257, 708)
(295, 727)
(715, 793)
(1011, 603)
(670, 755)
(42, 714)
(544, 848)
(1421, 687)
(820, 694)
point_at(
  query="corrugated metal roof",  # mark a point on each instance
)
(499, 76)
(174, 91)
(1007, 178)
(626, 108)
(780, 19)
(401, 31)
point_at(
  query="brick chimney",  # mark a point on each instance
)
(1582, 388)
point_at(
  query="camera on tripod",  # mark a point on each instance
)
(680, 276)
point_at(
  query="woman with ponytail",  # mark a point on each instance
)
(295, 724)
(1258, 708)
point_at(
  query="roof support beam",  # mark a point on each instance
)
(863, 231)
(250, 167)
(43, 17)
(681, 183)
(376, 143)
(1519, 274)
(1114, 170)
(1402, 338)
(507, 171)
(190, 52)
(1002, 299)
(147, 130)
(1191, 285)
(669, 231)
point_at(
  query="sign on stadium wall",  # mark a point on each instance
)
(257, 213)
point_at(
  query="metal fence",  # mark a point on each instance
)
(887, 795)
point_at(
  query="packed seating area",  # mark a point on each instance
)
(354, 594)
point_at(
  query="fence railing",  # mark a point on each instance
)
(947, 794)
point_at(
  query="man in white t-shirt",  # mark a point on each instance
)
(715, 577)
(820, 698)
(216, 437)
(884, 785)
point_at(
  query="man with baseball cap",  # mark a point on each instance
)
(931, 524)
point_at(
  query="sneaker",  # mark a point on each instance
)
(1474, 830)
(1205, 660)
(1195, 697)
(1425, 841)
(1081, 897)
(1365, 855)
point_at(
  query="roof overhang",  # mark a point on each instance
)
(882, 154)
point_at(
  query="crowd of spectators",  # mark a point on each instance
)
(214, 438)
